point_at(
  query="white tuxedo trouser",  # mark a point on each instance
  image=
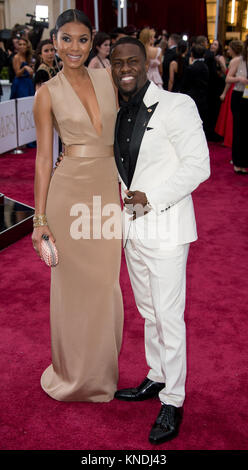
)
(158, 279)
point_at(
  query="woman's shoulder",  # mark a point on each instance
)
(43, 66)
(236, 60)
(94, 63)
(16, 58)
(234, 64)
(42, 97)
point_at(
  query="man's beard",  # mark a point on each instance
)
(130, 93)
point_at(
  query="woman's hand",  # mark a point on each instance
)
(243, 80)
(37, 237)
(29, 69)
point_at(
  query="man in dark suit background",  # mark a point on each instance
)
(169, 55)
(195, 83)
(213, 91)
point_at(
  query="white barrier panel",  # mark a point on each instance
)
(8, 131)
(25, 120)
(17, 126)
(6, 87)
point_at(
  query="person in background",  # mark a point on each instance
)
(188, 57)
(217, 49)
(45, 59)
(130, 30)
(195, 82)
(116, 34)
(213, 92)
(154, 56)
(177, 67)
(3, 62)
(224, 125)
(238, 74)
(169, 55)
(162, 41)
(58, 61)
(100, 49)
(11, 48)
(22, 64)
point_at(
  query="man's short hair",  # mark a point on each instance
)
(129, 40)
(201, 40)
(175, 37)
(197, 51)
(114, 33)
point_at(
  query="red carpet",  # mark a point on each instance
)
(215, 411)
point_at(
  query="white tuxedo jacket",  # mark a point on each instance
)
(172, 160)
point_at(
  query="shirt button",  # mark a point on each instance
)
(129, 120)
(128, 140)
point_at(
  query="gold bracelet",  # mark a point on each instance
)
(39, 220)
(39, 224)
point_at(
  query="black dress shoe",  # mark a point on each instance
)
(147, 389)
(166, 426)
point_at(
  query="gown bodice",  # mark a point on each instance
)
(71, 118)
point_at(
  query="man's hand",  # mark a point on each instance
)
(136, 201)
(59, 159)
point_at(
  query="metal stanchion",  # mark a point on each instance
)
(18, 150)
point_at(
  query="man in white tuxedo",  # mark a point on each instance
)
(162, 156)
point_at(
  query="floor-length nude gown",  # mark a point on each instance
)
(86, 312)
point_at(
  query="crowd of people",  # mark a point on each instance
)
(213, 78)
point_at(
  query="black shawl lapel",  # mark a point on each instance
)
(143, 117)
(117, 153)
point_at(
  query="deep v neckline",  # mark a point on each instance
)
(84, 108)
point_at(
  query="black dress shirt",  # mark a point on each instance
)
(127, 117)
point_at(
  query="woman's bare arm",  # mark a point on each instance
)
(44, 158)
(172, 71)
(160, 67)
(17, 66)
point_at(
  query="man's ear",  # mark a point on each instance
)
(147, 65)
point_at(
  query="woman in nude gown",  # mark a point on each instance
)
(86, 310)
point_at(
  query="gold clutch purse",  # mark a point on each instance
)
(49, 251)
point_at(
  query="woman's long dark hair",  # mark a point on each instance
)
(181, 49)
(219, 50)
(38, 52)
(99, 39)
(72, 16)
